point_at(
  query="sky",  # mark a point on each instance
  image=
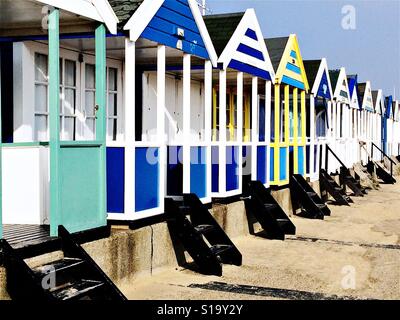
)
(365, 38)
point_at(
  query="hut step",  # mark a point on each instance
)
(331, 187)
(75, 277)
(262, 206)
(193, 226)
(305, 198)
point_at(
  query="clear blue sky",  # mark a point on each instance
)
(372, 50)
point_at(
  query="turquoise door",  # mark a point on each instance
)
(77, 168)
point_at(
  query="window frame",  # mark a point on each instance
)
(76, 57)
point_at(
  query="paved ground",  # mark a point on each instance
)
(353, 254)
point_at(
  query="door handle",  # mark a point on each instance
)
(96, 109)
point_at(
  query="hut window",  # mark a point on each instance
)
(68, 88)
(90, 102)
(77, 98)
(231, 115)
(68, 99)
(41, 97)
(215, 117)
(112, 104)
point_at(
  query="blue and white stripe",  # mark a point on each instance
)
(249, 56)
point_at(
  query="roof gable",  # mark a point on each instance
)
(341, 88)
(276, 48)
(352, 83)
(124, 9)
(291, 68)
(174, 23)
(246, 50)
(98, 10)
(389, 106)
(366, 96)
(317, 72)
(379, 103)
(221, 28)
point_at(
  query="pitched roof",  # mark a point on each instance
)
(276, 48)
(312, 67)
(374, 97)
(124, 9)
(334, 76)
(221, 28)
(352, 81)
(361, 89)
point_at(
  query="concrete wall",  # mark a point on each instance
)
(128, 254)
(3, 283)
(283, 197)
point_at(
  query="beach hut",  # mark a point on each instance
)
(391, 127)
(387, 124)
(165, 149)
(354, 150)
(288, 111)
(379, 107)
(367, 111)
(319, 104)
(341, 125)
(53, 160)
(241, 100)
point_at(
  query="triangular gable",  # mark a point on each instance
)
(354, 103)
(367, 101)
(246, 50)
(341, 92)
(173, 23)
(352, 82)
(322, 84)
(98, 10)
(291, 68)
(388, 108)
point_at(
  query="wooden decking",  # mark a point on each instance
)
(34, 240)
(19, 236)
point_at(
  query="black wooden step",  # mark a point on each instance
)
(200, 234)
(219, 249)
(270, 206)
(25, 283)
(348, 180)
(383, 174)
(306, 199)
(184, 209)
(283, 222)
(330, 186)
(77, 290)
(57, 266)
(204, 228)
(262, 207)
